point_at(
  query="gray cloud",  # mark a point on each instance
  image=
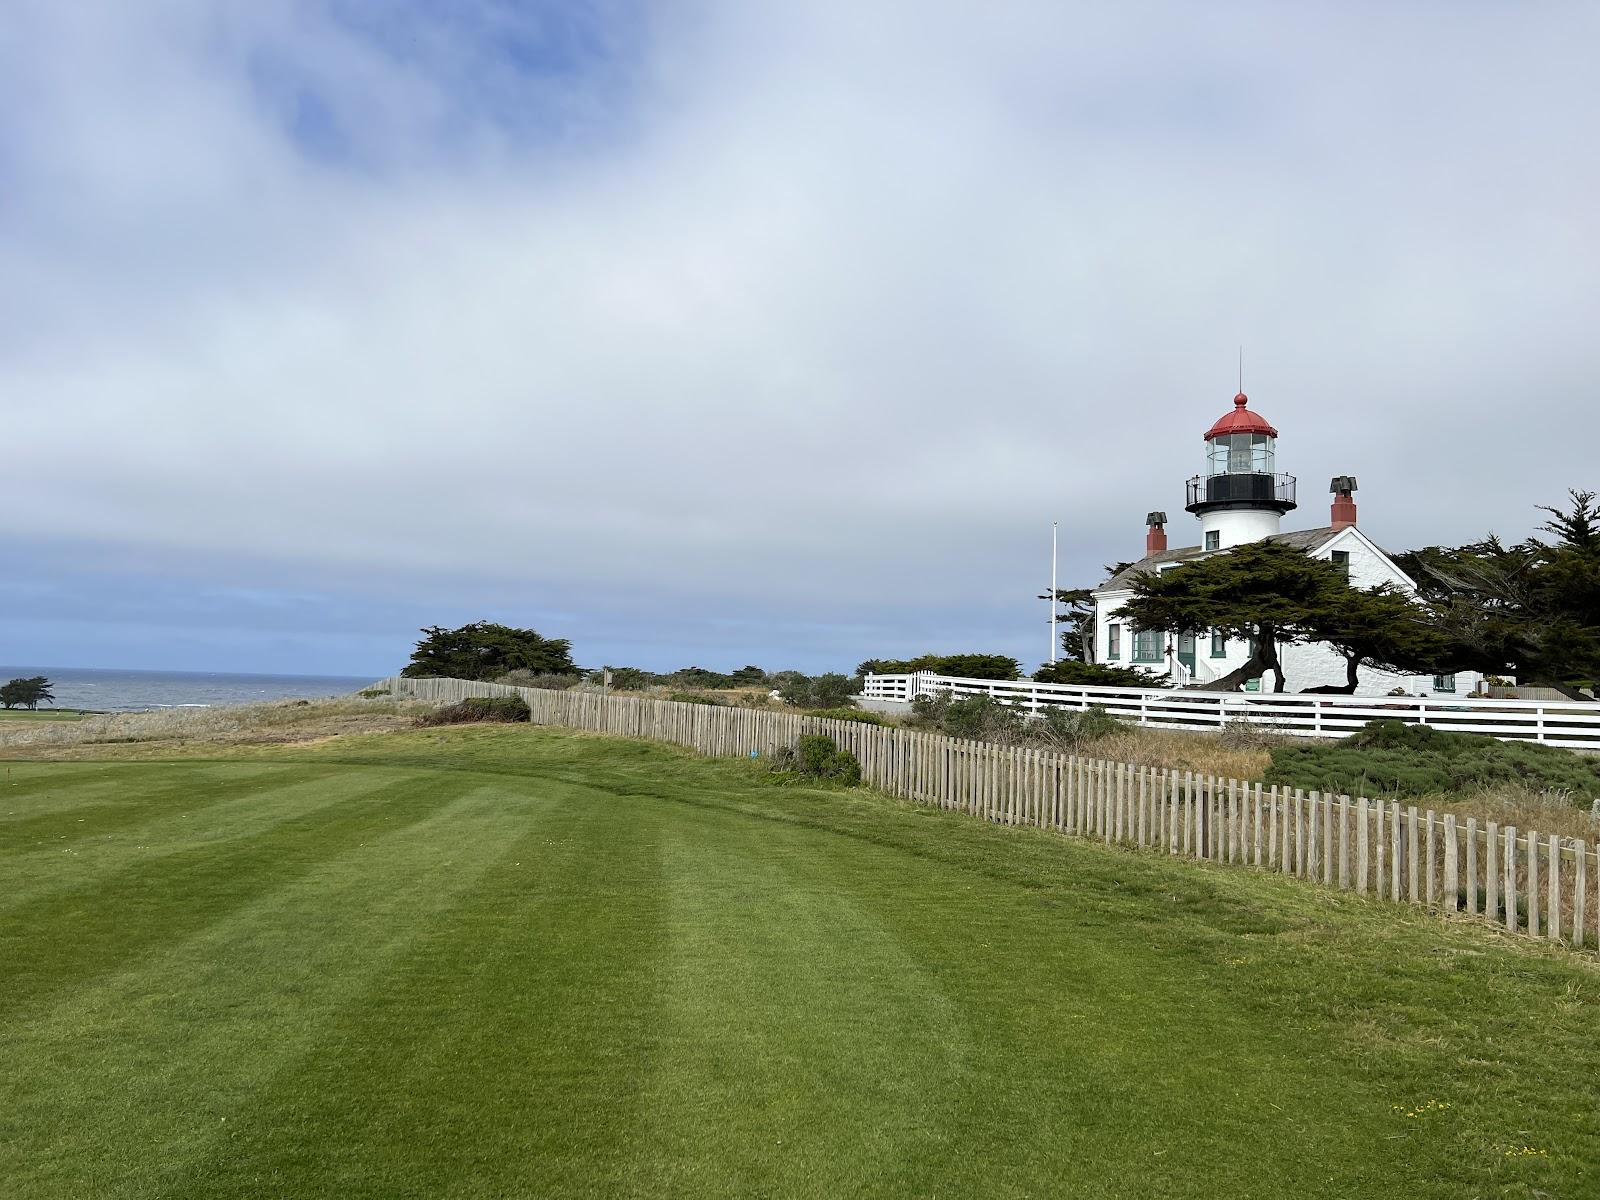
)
(781, 331)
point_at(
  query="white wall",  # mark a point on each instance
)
(1239, 526)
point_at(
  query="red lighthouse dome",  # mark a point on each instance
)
(1240, 420)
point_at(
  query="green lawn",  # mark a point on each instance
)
(42, 714)
(504, 962)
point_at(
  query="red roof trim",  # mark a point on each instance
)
(1240, 420)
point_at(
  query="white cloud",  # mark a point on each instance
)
(790, 313)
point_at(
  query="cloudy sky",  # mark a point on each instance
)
(739, 332)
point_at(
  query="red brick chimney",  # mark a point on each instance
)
(1155, 539)
(1344, 505)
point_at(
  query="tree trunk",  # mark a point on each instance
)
(1263, 660)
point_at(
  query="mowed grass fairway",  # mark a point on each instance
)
(508, 962)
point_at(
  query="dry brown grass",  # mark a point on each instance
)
(1182, 750)
(177, 731)
(1519, 805)
(1244, 753)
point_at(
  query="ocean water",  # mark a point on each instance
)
(134, 691)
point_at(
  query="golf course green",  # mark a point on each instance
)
(514, 962)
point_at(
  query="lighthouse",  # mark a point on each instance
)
(1241, 497)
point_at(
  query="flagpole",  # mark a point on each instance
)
(1053, 591)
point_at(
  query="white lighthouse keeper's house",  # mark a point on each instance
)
(1242, 497)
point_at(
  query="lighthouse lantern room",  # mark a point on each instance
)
(1240, 498)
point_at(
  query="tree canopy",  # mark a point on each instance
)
(967, 666)
(1531, 610)
(1076, 671)
(1273, 595)
(484, 650)
(27, 693)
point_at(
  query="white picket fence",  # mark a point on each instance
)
(1539, 885)
(1571, 724)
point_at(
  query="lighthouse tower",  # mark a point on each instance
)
(1240, 498)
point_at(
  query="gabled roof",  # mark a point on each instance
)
(1300, 539)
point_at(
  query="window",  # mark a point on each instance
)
(1214, 539)
(1341, 559)
(1240, 454)
(1147, 646)
(1219, 645)
(1444, 683)
(1253, 685)
(1114, 641)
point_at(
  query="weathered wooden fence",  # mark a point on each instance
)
(1532, 883)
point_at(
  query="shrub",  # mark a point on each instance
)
(479, 708)
(1252, 735)
(547, 680)
(1070, 728)
(1390, 758)
(966, 666)
(822, 691)
(981, 718)
(1070, 670)
(623, 679)
(695, 698)
(859, 715)
(817, 756)
(699, 677)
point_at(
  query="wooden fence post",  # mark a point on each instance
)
(1395, 851)
(1344, 843)
(1552, 909)
(1361, 846)
(1472, 866)
(1255, 812)
(1533, 883)
(1452, 883)
(1580, 888)
(1510, 878)
(1491, 870)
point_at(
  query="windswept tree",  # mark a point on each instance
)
(1381, 627)
(1074, 612)
(27, 693)
(1273, 595)
(484, 650)
(1531, 610)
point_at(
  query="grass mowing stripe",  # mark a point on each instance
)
(168, 809)
(154, 1064)
(36, 820)
(1332, 1003)
(710, 963)
(114, 917)
(799, 1038)
(526, 1021)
